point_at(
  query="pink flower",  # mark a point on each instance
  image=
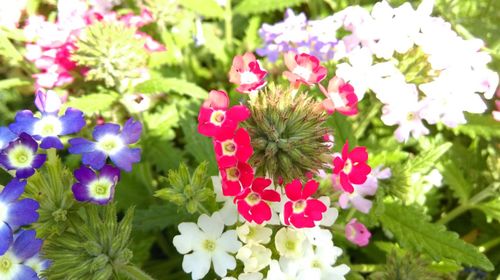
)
(357, 233)
(215, 117)
(302, 211)
(253, 201)
(132, 20)
(235, 177)
(304, 68)
(351, 167)
(340, 97)
(232, 146)
(247, 73)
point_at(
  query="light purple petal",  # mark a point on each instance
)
(80, 192)
(72, 121)
(26, 273)
(131, 131)
(12, 191)
(26, 245)
(47, 102)
(95, 159)
(51, 142)
(84, 175)
(81, 145)
(126, 157)
(104, 129)
(25, 122)
(23, 212)
(6, 237)
(6, 136)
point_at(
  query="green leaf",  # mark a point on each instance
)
(8, 51)
(214, 42)
(165, 85)
(425, 161)
(93, 103)
(247, 7)
(14, 82)
(491, 209)
(251, 41)
(162, 122)
(480, 126)
(342, 131)
(199, 146)
(454, 177)
(414, 231)
(206, 8)
(157, 217)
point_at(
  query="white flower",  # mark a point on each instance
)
(204, 243)
(331, 214)
(290, 242)
(250, 232)
(254, 256)
(229, 212)
(318, 264)
(247, 276)
(11, 12)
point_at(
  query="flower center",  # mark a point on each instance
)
(348, 166)
(209, 245)
(3, 212)
(303, 72)
(290, 245)
(110, 144)
(411, 116)
(233, 174)
(217, 117)
(248, 77)
(21, 157)
(253, 199)
(228, 148)
(6, 263)
(48, 126)
(316, 264)
(101, 188)
(299, 206)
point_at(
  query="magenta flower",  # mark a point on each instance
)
(232, 146)
(351, 167)
(357, 233)
(236, 177)
(253, 201)
(303, 69)
(302, 211)
(340, 97)
(247, 73)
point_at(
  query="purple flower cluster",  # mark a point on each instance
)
(295, 33)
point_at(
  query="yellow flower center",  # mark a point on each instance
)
(21, 157)
(228, 148)
(253, 199)
(209, 245)
(299, 206)
(233, 174)
(217, 117)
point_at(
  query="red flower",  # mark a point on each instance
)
(302, 211)
(340, 97)
(215, 117)
(235, 177)
(247, 73)
(351, 167)
(231, 147)
(304, 68)
(252, 201)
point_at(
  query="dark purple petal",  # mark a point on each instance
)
(6, 237)
(25, 173)
(23, 212)
(104, 129)
(25, 273)
(26, 245)
(72, 121)
(95, 159)
(131, 131)
(51, 142)
(80, 192)
(25, 122)
(39, 160)
(126, 157)
(26, 140)
(6, 136)
(84, 175)
(111, 172)
(12, 191)
(5, 162)
(81, 145)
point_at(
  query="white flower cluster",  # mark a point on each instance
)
(416, 65)
(269, 251)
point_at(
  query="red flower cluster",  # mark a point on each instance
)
(351, 167)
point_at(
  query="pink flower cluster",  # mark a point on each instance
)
(51, 43)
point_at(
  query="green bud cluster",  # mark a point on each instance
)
(407, 267)
(186, 190)
(287, 131)
(415, 65)
(112, 53)
(95, 248)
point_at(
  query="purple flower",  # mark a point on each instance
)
(14, 213)
(94, 188)
(6, 136)
(20, 155)
(13, 263)
(110, 142)
(49, 126)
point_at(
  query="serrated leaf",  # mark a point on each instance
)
(491, 209)
(157, 217)
(454, 177)
(427, 159)
(162, 122)
(206, 8)
(214, 42)
(342, 131)
(165, 85)
(247, 7)
(480, 125)
(93, 103)
(414, 231)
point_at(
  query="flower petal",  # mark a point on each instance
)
(72, 121)
(126, 157)
(131, 131)
(26, 245)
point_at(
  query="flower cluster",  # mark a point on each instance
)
(416, 65)
(52, 43)
(295, 33)
(268, 154)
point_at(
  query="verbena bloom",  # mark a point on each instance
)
(340, 97)
(14, 212)
(357, 233)
(247, 73)
(301, 210)
(254, 257)
(351, 167)
(49, 126)
(303, 68)
(290, 242)
(318, 263)
(93, 187)
(250, 232)
(13, 263)
(204, 243)
(253, 201)
(216, 117)
(235, 177)
(6, 136)
(37, 263)
(110, 142)
(232, 146)
(21, 155)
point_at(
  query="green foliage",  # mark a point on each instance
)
(206, 8)
(491, 209)
(480, 126)
(407, 266)
(166, 85)
(88, 105)
(413, 230)
(198, 146)
(158, 217)
(247, 7)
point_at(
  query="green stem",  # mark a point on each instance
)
(228, 24)
(485, 247)
(134, 273)
(365, 268)
(466, 206)
(360, 130)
